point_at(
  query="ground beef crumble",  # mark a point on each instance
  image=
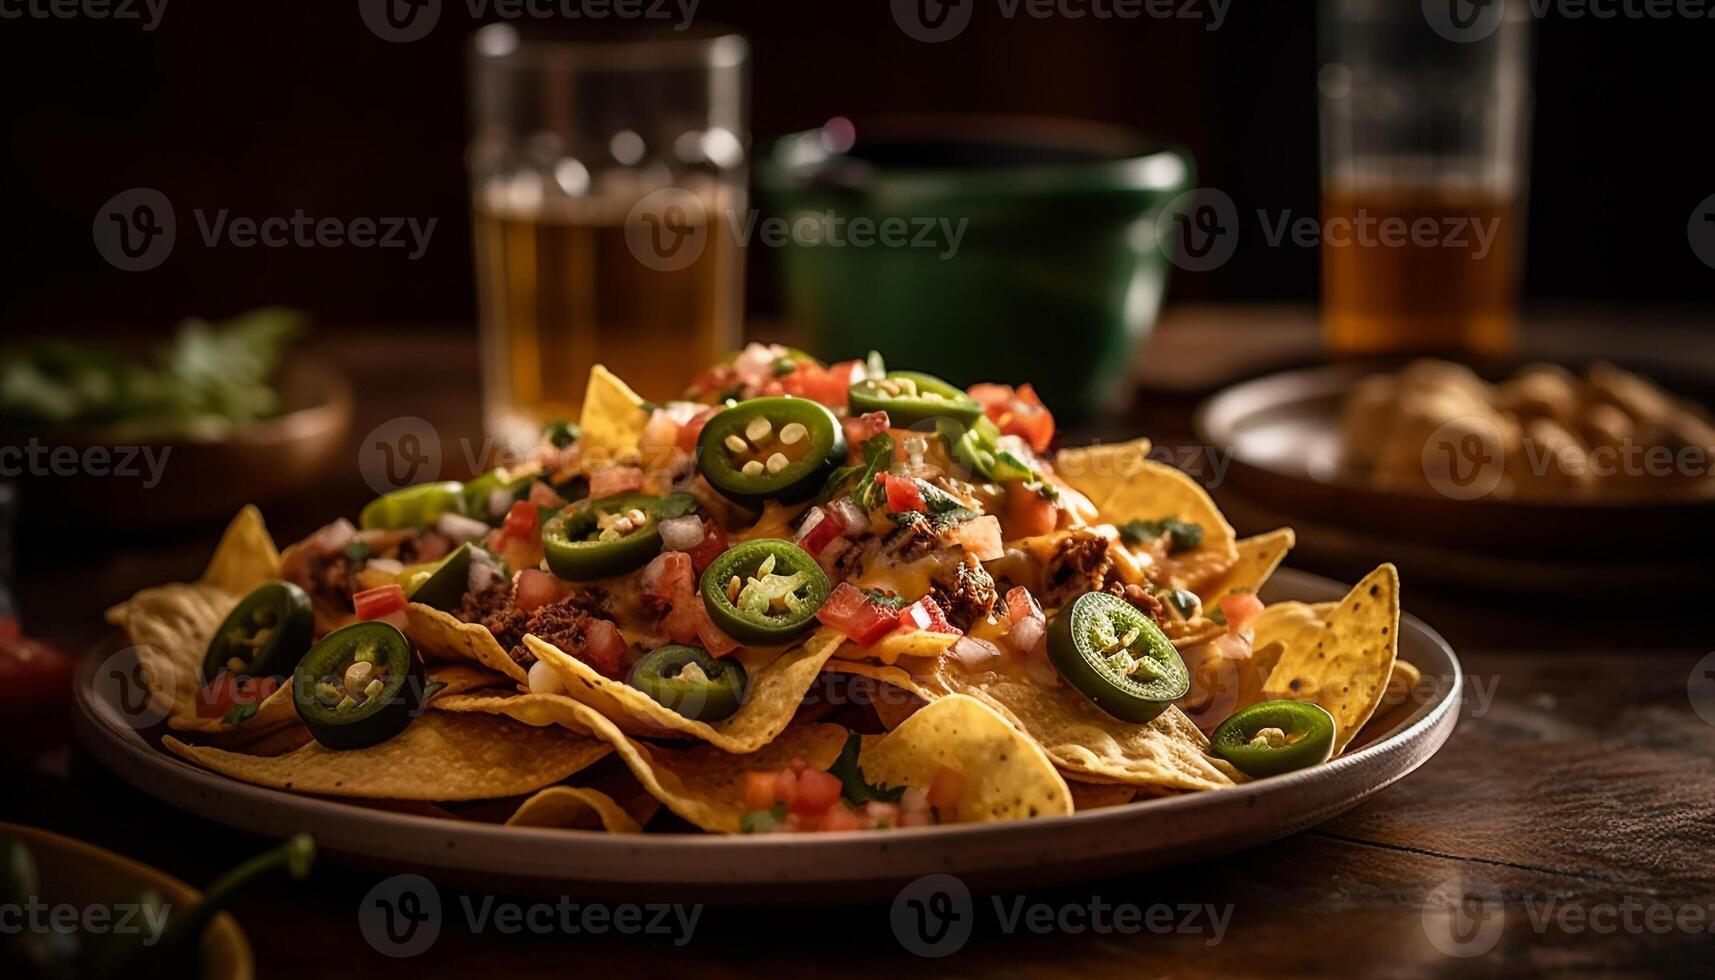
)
(966, 593)
(1080, 564)
(561, 623)
(1140, 598)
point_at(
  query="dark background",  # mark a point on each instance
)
(266, 106)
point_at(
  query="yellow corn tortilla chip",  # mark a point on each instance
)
(613, 417)
(1097, 796)
(775, 690)
(1129, 486)
(900, 643)
(1090, 744)
(893, 692)
(574, 808)
(439, 757)
(1259, 556)
(1221, 685)
(169, 626)
(1340, 657)
(704, 785)
(443, 638)
(1007, 776)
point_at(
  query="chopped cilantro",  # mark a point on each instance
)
(854, 789)
(886, 599)
(763, 821)
(358, 551)
(877, 453)
(239, 714)
(1181, 535)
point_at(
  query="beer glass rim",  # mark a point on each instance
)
(502, 45)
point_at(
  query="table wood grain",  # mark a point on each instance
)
(1571, 815)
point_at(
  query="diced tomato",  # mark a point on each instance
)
(689, 432)
(227, 691)
(785, 786)
(714, 544)
(1028, 513)
(980, 537)
(821, 526)
(857, 615)
(838, 818)
(946, 788)
(925, 616)
(542, 495)
(523, 520)
(379, 603)
(758, 790)
(903, 494)
(1017, 412)
(1021, 605)
(862, 428)
(668, 576)
(827, 385)
(525, 552)
(604, 646)
(533, 588)
(1240, 608)
(614, 480)
(817, 791)
(717, 643)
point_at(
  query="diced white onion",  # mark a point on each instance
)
(460, 528)
(386, 565)
(974, 653)
(499, 501)
(333, 537)
(1027, 635)
(832, 551)
(850, 514)
(544, 679)
(682, 533)
(482, 575)
(812, 520)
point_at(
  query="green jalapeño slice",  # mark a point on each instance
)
(689, 681)
(1273, 737)
(359, 686)
(764, 592)
(1117, 657)
(611, 536)
(909, 397)
(443, 584)
(265, 635)
(771, 449)
(413, 506)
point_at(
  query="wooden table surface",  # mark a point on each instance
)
(1567, 828)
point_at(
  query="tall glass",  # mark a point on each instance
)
(606, 180)
(1425, 140)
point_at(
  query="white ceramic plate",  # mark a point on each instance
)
(1095, 843)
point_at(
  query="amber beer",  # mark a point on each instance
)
(561, 290)
(1452, 291)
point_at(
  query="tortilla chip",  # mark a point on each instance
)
(1339, 657)
(1098, 796)
(439, 757)
(443, 638)
(776, 688)
(574, 808)
(246, 556)
(704, 785)
(1007, 776)
(1259, 556)
(1130, 486)
(894, 692)
(1090, 744)
(1221, 685)
(613, 417)
(900, 643)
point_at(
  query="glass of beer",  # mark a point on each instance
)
(607, 182)
(1425, 139)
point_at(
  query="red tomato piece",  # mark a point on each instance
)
(379, 602)
(713, 545)
(980, 537)
(689, 432)
(523, 520)
(903, 494)
(925, 616)
(1240, 608)
(817, 791)
(615, 480)
(716, 642)
(668, 576)
(542, 495)
(1028, 513)
(857, 615)
(534, 588)
(785, 786)
(604, 646)
(1021, 605)
(828, 386)
(839, 818)
(824, 526)
(862, 428)
(758, 790)
(946, 789)
(1017, 412)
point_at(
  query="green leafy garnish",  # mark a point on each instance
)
(763, 821)
(886, 599)
(560, 433)
(877, 453)
(238, 714)
(854, 788)
(358, 551)
(1181, 535)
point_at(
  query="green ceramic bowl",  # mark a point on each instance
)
(1020, 250)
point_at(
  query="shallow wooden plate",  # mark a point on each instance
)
(827, 867)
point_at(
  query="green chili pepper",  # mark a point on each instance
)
(909, 397)
(1117, 657)
(360, 686)
(771, 449)
(1273, 737)
(265, 635)
(764, 592)
(687, 680)
(611, 536)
